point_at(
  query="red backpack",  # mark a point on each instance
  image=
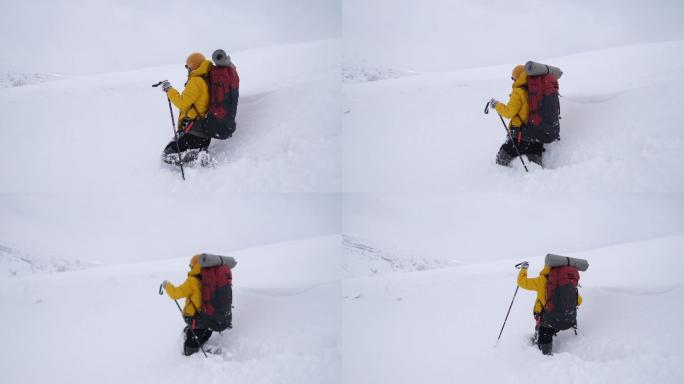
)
(560, 311)
(217, 291)
(224, 84)
(542, 88)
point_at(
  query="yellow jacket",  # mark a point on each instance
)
(190, 289)
(517, 106)
(196, 93)
(538, 284)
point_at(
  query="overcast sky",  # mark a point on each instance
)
(432, 35)
(93, 36)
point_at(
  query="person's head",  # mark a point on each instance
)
(516, 72)
(194, 261)
(194, 61)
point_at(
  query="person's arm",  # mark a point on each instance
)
(183, 290)
(533, 284)
(512, 108)
(190, 94)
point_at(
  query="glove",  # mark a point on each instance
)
(492, 103)
(523, 265)
(166, 86)
(163, 286)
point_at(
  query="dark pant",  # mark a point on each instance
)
(533, 150)
(544, 334)
(202, 336)
(187, 141)
(194, 336)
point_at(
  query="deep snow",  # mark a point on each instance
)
(435, 326)
(105, 133)
(109, 325)
(620, 129)
(431, 228)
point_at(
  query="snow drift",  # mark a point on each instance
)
(109, 325)
(434, 326)
(620, 131)
(106, 132)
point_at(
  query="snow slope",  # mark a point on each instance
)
(77, 37)
(620, 128)
(477, 227)
(109, 324)
(106, 132)
(57, 231)
(439, 35)
(439, 325)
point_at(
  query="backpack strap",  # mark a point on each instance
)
(206, 81)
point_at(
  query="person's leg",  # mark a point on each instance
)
(190, 346)
(506, 153)
(189, 146)
(170, 154)
(203, 335)
(534, 152)
(545, 339)
(194, 145)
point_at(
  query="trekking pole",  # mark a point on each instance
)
(161, 292)
(507, 313)
(175, 133)
(508, 132)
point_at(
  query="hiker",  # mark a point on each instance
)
(517, 110)
(543, 331)
(191, 291)
(193, 104)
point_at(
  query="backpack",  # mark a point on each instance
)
(542, 88)
(224, 84)
(560, 311)
(217, 292)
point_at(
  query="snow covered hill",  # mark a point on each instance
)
(106, 132)
(109, 325)
(620, 128)
(438, 325)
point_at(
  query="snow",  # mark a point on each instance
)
(374, 234)
(108, 324)
(106, 132)
(619, 131)
(433, 326)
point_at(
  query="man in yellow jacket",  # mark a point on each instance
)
(517, 110)
(193, 104)
(544, 334)
(191, 291)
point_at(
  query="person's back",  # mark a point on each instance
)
(544, 332)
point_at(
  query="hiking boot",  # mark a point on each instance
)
(170, 158)
(503, 158)
(537, 159)
(189, 350)
(546, 348)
